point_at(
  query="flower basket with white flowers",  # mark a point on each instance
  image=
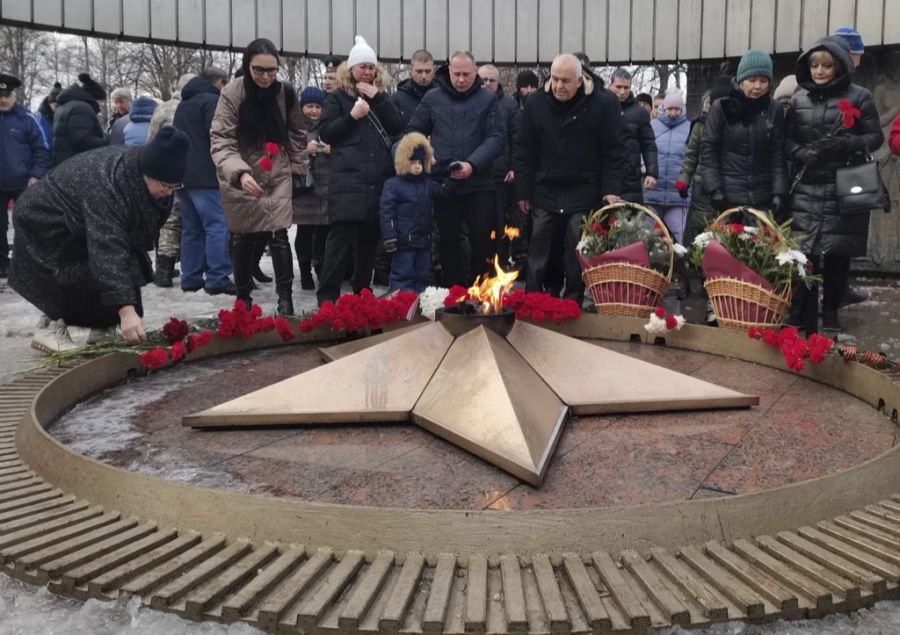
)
(626, 256)
(749, 269)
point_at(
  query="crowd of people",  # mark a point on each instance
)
(411, 187)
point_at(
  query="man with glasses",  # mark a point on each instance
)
(83, 233)
(511, 251)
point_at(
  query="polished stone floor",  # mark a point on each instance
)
(800, 430)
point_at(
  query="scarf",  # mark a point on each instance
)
(259, 116)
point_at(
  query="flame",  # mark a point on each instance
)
(511, 232)
(490, 291)
(493, 235)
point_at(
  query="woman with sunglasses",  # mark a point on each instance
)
(256, 135)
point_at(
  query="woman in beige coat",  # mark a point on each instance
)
(256, 135)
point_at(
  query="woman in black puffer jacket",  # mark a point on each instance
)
(817, 140)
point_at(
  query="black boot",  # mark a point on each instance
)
(242, 260)
(306, 280)
(283, 263)
(258, 274)
(165, 269)
(830, 322)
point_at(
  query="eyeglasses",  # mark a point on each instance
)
(262, 70)
(171, 186)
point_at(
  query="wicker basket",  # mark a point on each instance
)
(623, 289)
(739, 305)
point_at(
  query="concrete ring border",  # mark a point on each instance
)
(464, 533)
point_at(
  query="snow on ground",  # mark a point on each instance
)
(26, 609)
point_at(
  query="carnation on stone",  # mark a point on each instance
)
(431, 299)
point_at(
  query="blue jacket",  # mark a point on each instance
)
(671, 143)
(139, 121)
(22, 151)
(465, 126)
(44, 118)
(406, 210)
(194, 116)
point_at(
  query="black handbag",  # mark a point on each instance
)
(859, 188)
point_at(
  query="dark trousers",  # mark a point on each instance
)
(477, 211)
(245, 249)
(554, 237)
(834, 271)
(348, 242)
(83, 306)
(410, 269)
(5, 197)
(309, 244)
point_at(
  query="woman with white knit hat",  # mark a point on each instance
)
(360, 122)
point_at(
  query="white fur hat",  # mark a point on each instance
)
(361, 53)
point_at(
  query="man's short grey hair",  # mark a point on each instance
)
(462, 53)
(422, 56)
(120, 93)
(213, 75)
(621, 73)
(489, 67)
(567, 59)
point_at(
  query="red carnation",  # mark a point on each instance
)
(660, 312)
(174, 330)
(155, 358)
(178, 351)
(755, 332)
(737, 228)
(671, 322)
(272, 148)
(284, 329)
(265, 164)
(849, 113)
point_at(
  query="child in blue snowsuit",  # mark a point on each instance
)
(406, 214)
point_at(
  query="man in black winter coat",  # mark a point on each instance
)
(569, 158)
(640, 141)
(204, 234)
(468, 134)
(76, 127)
(410, 91)
(507, 213)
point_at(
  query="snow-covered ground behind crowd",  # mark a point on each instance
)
(25, 609)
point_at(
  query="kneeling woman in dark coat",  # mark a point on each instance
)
(818, 144)
(83, 234)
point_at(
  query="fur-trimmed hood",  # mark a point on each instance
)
(346, 83)
(405, 148)
(588, 83)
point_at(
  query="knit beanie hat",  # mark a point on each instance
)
(94, 89)
(53, 95)
(361, 53)
(312, 95)
(786, 88)
(418, 154)
(754, 63)
(164, 157)
(527, 78)
(853, 39)
(673, 99)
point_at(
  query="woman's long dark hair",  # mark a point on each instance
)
(259, 116)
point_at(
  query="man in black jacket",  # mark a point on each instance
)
(76, 127)
(204, 234)
(410, 91)
(640, 142)
(467, 133)
(507, 213)
(569, 158)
